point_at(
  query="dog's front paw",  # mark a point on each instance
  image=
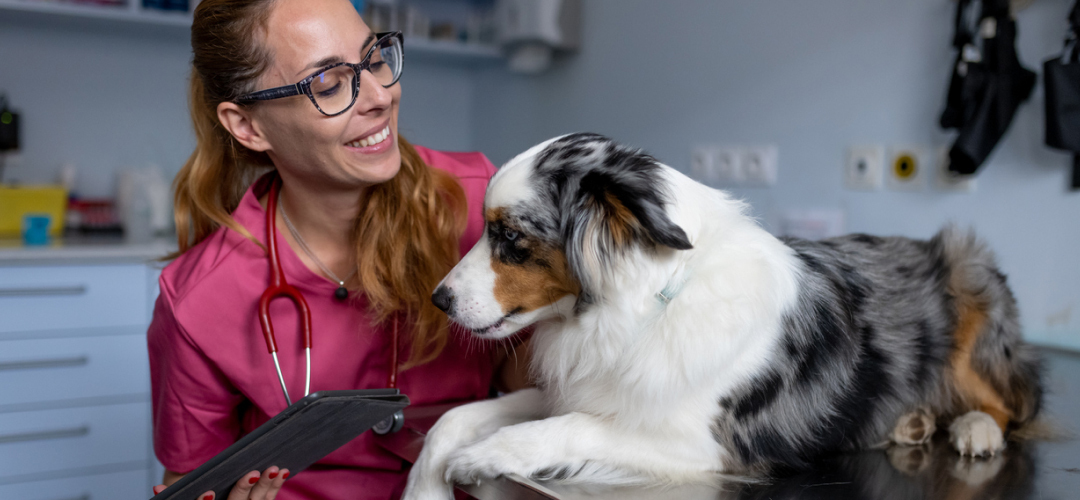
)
(501, 454)
(977, 434)
(426, 480)
(428, 490)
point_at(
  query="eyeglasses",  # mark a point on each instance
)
(329, 88)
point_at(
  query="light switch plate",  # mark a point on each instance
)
(863, 167)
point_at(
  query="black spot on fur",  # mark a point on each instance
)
(765, 390)
(924, 353)
(556, 473)
(869, 383)
(867, 239)
(767, 445)
(825, 343)
(811, 262)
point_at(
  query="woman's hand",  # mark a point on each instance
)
(253, 486)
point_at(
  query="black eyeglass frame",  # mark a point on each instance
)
(304, 86)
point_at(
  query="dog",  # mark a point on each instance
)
(675, 339)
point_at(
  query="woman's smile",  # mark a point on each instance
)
(382, 139)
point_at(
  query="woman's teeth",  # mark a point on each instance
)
(371, 140)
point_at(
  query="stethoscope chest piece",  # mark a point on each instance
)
(390, 424)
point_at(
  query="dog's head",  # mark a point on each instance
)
(557, 217)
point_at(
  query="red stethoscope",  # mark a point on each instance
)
(281, 288)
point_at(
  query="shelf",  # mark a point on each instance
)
(134, 17)
(452, 51)
(133, 13)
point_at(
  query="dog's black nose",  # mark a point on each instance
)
(443, 299)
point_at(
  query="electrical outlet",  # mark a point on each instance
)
(863, 169)
(702, 167)
(759, 165)
(949, 181)
(906, 168)
(727, 162)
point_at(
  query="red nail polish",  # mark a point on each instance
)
(272, 475)
(208, 497)
(253, 480)
(285, 476)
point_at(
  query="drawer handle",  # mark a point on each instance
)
(34, 292)
(44, 363)
(73, 432)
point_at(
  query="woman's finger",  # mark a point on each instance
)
(264, 485)
(159, 488)
(275, 487)
(243, 487)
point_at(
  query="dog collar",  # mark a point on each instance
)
(670, 291)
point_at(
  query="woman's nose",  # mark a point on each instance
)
(371, 95)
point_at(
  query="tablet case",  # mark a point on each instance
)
(294, 439)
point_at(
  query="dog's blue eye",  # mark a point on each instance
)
(510, 234)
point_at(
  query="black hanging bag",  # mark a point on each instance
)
(988, 83)
(1062, 81)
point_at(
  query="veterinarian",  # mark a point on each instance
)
(370, 224)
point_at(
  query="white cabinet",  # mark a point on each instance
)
(74, 381)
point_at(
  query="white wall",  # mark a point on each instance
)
(813, 78)
(105, 96)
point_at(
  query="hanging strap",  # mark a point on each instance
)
(1070, 54)
(1076, 172)
(965, 22)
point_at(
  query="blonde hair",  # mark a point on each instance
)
(406, 234)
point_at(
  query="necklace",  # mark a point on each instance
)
(341, 293)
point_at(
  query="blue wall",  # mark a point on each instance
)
(813, 78)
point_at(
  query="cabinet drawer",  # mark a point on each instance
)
(55, 369)
(34, 442)
(129, 485)
(58, 297)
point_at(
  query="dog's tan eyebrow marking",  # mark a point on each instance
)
(494, 214)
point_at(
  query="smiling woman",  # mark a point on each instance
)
(302, 91)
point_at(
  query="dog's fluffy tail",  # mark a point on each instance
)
(993, 369)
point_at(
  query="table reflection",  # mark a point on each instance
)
(930, 471)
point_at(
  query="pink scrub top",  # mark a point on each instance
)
(213, 381)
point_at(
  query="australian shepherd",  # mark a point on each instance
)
(676, 340)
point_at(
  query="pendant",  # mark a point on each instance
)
(341, 293)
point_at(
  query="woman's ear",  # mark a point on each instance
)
(238, 121)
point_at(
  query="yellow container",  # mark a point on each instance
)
(16, 202)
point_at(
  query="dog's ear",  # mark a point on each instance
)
(631, 208)
(613, 210)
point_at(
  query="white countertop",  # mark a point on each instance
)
(84, 250)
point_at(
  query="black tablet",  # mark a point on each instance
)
(297, 437)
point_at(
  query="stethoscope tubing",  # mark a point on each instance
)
(279, 287)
